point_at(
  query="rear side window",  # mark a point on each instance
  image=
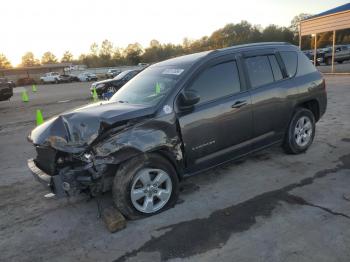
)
(259, 70)
(217, 81)
(277, 73)
(290, 59)
(304, 65)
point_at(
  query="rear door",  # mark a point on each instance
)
(220, 124)
(269, 92)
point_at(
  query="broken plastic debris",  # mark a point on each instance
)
(50, 195)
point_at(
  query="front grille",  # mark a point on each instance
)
(46, 159)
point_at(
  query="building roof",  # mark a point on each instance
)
(338, 9)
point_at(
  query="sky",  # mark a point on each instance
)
(40, 25)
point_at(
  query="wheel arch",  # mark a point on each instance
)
(170, 156)
(313, 105)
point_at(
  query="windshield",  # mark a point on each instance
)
(121, 75)
(149, 86)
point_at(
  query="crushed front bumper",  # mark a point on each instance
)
(53, 183)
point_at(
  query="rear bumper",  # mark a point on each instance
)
(53, 183)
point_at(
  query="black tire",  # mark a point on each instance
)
(340, 62)
(125, 175)
(290, 144)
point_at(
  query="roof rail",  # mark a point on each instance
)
(253, 44)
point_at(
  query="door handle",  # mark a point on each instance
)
(239, 104)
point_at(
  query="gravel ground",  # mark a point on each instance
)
(267, 207)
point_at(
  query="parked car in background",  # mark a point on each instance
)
(112, 73)
(178, 118)
(106, 88)
(342, 53)
(6, 89)
(24, 81)
(11, 83)
(87, 77)
(319, 55)
(51, 77)
(69, 78)
(143, 64)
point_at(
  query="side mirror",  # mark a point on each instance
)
(188, 99)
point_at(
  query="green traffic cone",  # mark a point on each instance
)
(94, 95)
(39, 117)
(34, 88)
(25, 97)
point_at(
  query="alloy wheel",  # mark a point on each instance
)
(151, 190)
(303, 131)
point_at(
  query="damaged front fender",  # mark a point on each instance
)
(147, 136)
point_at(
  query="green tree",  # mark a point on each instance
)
(28, 59)
(67, 57)
(106, 51)
(133, 53)
(4, 62)
(154, 44)
(233, 34)
(48, 58)
(94, 49)
(277, 34)
(230, 34)
(117, 57)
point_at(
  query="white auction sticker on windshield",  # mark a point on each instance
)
(173, 71)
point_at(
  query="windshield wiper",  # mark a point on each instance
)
(121, 101)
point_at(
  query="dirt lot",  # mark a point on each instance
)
(268, 207)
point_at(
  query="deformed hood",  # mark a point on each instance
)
(74, 130)
(104, 81)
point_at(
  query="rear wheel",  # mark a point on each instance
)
(301, 132)
(145, 186)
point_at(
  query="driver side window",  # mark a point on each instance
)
(217, 81)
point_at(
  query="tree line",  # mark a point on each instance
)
(106, 54)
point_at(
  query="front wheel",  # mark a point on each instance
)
(145, 186)
(301, 132)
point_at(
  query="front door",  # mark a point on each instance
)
(216, 129)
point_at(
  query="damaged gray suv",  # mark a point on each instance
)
(178, 118)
